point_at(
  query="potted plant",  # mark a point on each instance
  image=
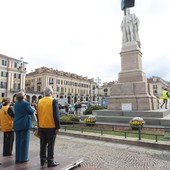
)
(90, 121)
(136, 122)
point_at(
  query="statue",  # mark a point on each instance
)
(130, 27)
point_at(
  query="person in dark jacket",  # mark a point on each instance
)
(49, 125)
(22, 126)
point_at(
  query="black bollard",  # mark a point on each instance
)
(139, 133)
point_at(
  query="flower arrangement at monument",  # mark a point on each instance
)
(90, 120)
(137, 122)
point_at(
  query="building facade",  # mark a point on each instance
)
(104, 92)
(12, 76)
(105, 89)
(75, 88)
(158, 85)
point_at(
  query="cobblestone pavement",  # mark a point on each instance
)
(100, 155)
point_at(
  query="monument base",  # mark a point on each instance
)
(134, 94)
(132, 89)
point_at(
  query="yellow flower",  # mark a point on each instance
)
(90, 119)
(137, 121)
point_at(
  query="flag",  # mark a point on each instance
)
(127, 4)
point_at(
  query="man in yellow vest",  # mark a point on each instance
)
(49, 125)
(165, 97)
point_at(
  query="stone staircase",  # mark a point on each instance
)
(153, 117)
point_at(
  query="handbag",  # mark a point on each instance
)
(36, 132)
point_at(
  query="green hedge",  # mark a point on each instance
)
(69, 118)
(91, 108)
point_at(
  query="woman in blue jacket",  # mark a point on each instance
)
(22, 126)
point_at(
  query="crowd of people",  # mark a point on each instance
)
(16, 123)
(71, 108)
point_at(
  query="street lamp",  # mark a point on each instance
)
(20, 68)
(98, 81)
(7, 76)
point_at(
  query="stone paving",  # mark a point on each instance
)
(101, 155)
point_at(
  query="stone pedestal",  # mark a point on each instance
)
(132, 87)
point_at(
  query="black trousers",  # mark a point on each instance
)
(165, 101)
(47, 141)
(8, 143)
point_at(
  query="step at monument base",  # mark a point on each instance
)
(153, 117)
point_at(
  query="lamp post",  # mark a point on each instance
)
(98, 81)
(20, 68)
(7, 76)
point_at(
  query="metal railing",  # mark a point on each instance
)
(77, 126)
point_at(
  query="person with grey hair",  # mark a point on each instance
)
(48, 125)
(22, 126)
(48, 91)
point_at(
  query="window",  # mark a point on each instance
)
(39, 80)
(4, 62)
(15, 65)
(154, 79)
(62, 89)
(68, 90)
(51, 80)
(155, 92)
(58, 89)
(3, 85)
(57, 81)
(38, 88)
(4, 74)
(17, 75)
(105, 90)
(154, 86)
(16, 86)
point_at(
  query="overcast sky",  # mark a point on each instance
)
(83, 36)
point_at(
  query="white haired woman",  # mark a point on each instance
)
(22, 126)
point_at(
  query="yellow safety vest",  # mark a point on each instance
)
(164, 94)
(45, 113)
(6, 120)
